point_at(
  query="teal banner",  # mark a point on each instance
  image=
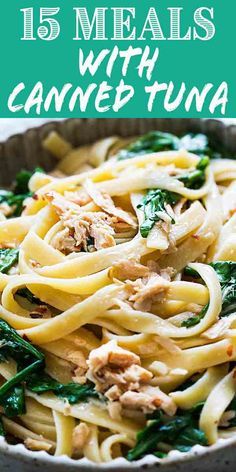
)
(143, 58)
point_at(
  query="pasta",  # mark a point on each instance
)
(118, 300)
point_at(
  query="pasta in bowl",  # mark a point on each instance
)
(118, 298)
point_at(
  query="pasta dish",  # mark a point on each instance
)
(118, 299)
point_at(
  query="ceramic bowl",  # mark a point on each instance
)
(25, 151)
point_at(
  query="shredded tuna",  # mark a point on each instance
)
(105, 202)
(111, 365)
(86, 231)
(219, 329)
(64, 241)
(117, 373)
(80, 436)
(79, 197)
(110, 353)
(147, 400)
(61, 204)
(114, 410)
(129, 270)
(146, 291)
(113, 393)
(167, 273)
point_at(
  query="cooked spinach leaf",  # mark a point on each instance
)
(15, 199)
(5, 195)
(2, 430)
(188, 437)
(30, 364)
(154, 202)
(8, 257)
(154, 141)
(22, 182)
(180, 432)
(41, 383)
(17, 203)
(27, 358)
(12, 345)
(194, 320)
(226, 273)
(196, 178)
(13, 401)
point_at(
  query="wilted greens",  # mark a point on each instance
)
(180, 432)
(156, 141)
(194, 320)
(73, 392)
(2, 430)
(8, 257)
(226, 273)
(196, 178)
(154, 202)
(31, 375)
(15, 198)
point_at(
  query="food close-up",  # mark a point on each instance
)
(118, 299)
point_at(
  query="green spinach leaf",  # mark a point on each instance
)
(194, 320)
(5, 195)
(154, 202)
(15, 199)
(196, 178)
(8, 257)
(28, 360)
(73, 392)
(180, 432)
(2, 430)
(13, 401)
(226, 273)
(30, 375)
(22, 182)
(154, 141)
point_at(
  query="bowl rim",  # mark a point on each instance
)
(20, 452)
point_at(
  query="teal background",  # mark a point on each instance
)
(55, 62)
